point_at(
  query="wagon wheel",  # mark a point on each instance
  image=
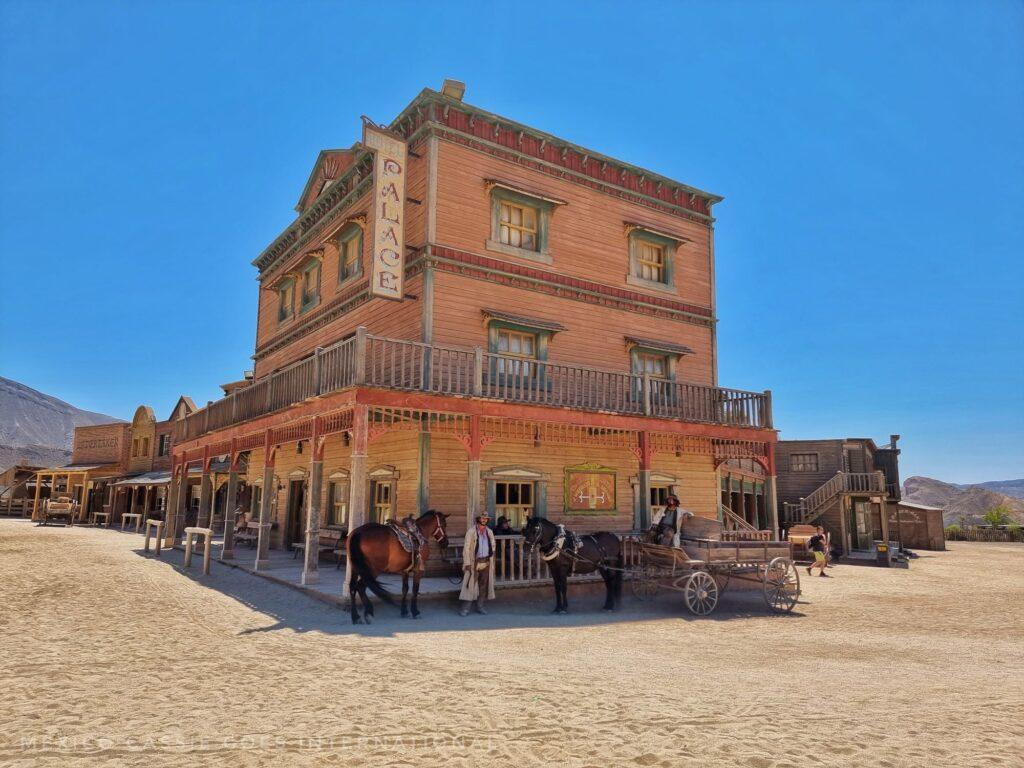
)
(781, 585)
(645, 582)
(701, 593)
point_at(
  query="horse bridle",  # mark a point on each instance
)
(439, 534)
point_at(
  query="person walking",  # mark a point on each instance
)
(817, 546)
(477, 566)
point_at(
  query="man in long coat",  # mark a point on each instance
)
(477, 566)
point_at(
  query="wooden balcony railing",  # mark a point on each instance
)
(374, 361)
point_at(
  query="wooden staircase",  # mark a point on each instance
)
(815, 504)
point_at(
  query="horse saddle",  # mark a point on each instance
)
(408, 534)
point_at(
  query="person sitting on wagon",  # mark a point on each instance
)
(817, 546)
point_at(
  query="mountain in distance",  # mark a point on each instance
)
(36, 428)
(960, 501)
(1013, 488)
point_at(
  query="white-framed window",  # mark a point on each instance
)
(651, 259)
(520, 223)
(653, 364)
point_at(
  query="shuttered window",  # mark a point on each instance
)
(803, 462)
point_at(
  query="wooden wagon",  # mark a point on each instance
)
(701, 567)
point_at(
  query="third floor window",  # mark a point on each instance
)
(518, 226)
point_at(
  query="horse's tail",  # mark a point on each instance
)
(362, 567)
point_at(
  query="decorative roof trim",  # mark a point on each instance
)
(412, 117)
(528, 322)
(660, 346)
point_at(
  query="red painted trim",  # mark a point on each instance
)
(645, 451)
(449, 404)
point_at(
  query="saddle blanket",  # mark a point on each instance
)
(410, 538)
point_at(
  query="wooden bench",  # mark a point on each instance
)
(129, 516)
(96, 519)
(191, 534)
(326, 544)
(150, 525)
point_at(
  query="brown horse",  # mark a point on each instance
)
(374, 549)
(601, 552)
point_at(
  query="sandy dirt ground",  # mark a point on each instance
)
(108, 657)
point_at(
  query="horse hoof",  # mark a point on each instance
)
(369, 619)
(357, 621)
(415, 615)
(405, 614)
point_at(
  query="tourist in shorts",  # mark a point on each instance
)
(817, 546)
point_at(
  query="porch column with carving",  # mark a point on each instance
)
(644, 454)
(205, 493)
(358, 481)
(266, 501)
(473, 471)
(310, 574)
(228, 552)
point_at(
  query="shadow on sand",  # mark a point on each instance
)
(289, 608)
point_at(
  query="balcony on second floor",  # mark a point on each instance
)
(365, 360)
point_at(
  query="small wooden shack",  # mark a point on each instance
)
(916, 526)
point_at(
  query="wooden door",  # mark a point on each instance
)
(294, 525)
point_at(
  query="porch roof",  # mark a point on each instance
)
(147, 478)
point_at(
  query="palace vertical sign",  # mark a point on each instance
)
(387, 275)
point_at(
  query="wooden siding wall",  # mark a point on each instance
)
(594, 335)
(382, 317)
(101, 444)
(792, 486)
(587, 236)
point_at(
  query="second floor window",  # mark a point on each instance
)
(164, 446)
(311, 284)
(803, 462)
(653, 365)
(350, 252)
(518, 226)
(286, 300)
(145, 446)
(519, 345)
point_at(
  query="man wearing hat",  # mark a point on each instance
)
(478, 566)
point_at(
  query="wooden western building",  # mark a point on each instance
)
(470, 313)
(116, 468)
(849, 486)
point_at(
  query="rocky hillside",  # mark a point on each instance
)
(38, 428)
(970, 502)
(1013, 488)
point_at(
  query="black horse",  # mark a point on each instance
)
(567, 554)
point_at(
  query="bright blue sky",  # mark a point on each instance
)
(869, 248)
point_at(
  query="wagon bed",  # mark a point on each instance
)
(702, 568)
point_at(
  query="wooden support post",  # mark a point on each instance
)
(35, 501)
(171, 498)
(360, 355)
(310, 574)
(770, 496)
(176, 524)
(358, 480)
(473, 471)
(266, 500)
(478, 371)
(318, 370)
(230, 499)
(644, 454)
(423, 489)
(205, 493)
